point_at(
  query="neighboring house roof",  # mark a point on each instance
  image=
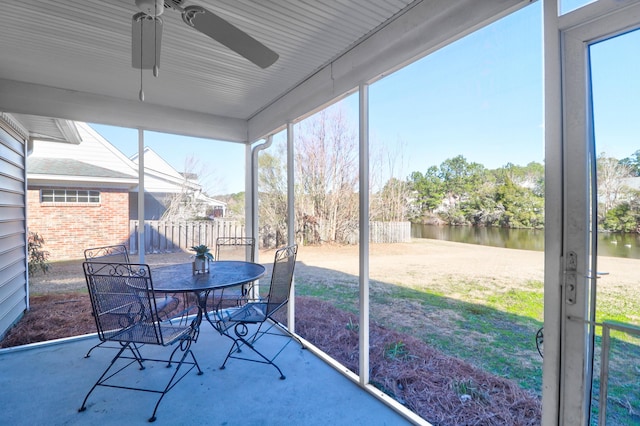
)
(211, 201)
(86, 160)
(89, 159)
(69, 166)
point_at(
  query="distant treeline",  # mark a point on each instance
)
(462, 193)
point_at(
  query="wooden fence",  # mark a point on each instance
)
(389, 232)
(166, 237)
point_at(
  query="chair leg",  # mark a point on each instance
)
(286, 330)
(135, 350)
(240, 341)
(92, 348)
(184, 345)
(186, 351)
(104, 374)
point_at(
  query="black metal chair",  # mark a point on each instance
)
(118, 253)
(124, 307)
(235, 248)
(234, 323)
(114, 253)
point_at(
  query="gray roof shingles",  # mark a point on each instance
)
(71, 167)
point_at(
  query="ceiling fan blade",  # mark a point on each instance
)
(227, 34)
(146, 36)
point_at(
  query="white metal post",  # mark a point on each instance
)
(141, 237)
(364, 233)
(291, 235)
(248, 199)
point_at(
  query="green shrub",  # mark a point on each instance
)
(38, 258)
(621, 218)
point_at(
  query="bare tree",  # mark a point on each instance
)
(390, 202)
(272, 187)
(327, 175)
(326, 182)
(611, 181)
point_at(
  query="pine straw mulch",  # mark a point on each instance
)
(439, 388)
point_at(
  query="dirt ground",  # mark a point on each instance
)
(426, 381)
(421, 263)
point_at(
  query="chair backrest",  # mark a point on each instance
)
(235, 248)
(281, 278)
(122, 298)
(116, 253)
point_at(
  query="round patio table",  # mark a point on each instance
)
(222, 274)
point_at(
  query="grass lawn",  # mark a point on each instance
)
(486, 314)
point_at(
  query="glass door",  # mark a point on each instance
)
(599, 324)
(615, 83)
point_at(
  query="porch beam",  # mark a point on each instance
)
(47, 101)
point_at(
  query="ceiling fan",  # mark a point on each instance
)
(147, 25)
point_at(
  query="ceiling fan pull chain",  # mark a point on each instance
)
(141, 94)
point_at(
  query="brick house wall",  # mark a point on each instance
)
(69, 228)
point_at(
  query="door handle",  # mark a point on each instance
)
(571, 267)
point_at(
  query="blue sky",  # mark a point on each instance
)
(481, 97)
(615, 67)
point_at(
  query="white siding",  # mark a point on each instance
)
(93, 149)
(13, 275)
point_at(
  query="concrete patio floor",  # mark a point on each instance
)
(46, 383)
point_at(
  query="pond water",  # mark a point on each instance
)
(609, 244)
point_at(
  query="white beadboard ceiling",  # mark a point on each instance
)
(71, 59)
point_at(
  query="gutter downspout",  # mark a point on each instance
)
(254, 183)
(254, 198)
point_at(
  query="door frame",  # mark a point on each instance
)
(570, 254)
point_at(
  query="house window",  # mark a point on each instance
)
(69, 196)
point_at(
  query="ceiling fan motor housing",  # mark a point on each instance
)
(151, 7)
(146, 33)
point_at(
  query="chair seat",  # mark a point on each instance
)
(147, 333)
(161, 304)
(254, 312)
